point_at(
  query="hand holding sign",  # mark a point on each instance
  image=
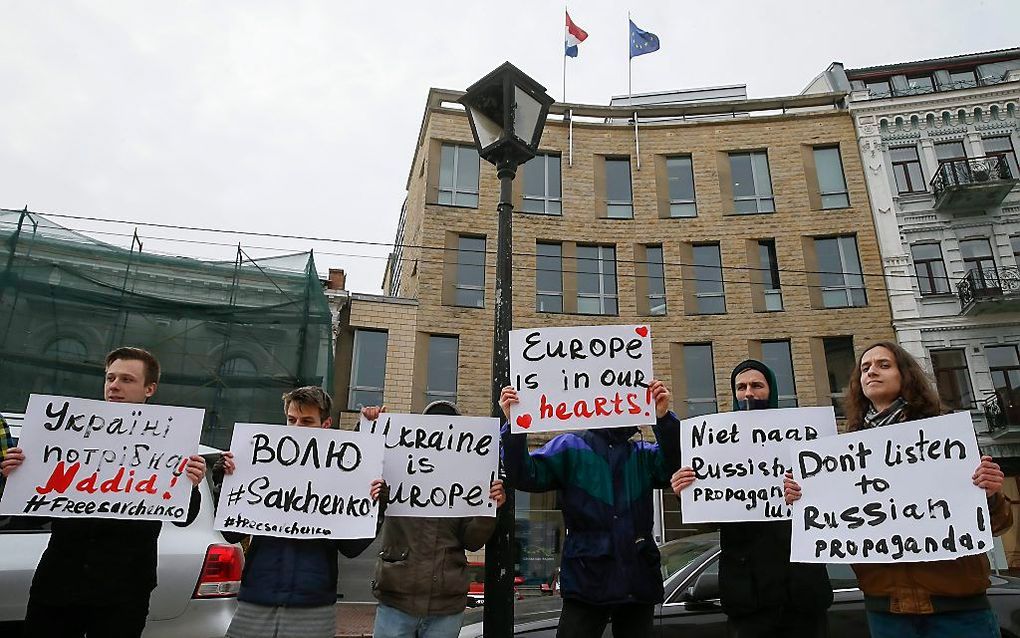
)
(583, 377)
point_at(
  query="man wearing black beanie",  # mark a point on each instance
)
(763, 594)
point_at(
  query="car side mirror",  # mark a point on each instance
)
(705, 588)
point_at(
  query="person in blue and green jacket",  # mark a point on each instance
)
(610, 571)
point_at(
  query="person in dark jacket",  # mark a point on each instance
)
(763, 594)
(610, 571)
(288, 586)
(421, 578)
(96, 575)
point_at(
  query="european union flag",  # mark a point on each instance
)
(642, 42)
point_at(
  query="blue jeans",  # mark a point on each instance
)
(980, 623)
(393, 623)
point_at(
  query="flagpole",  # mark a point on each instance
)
(565, 14)
(630, 62)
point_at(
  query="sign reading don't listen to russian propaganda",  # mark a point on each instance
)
(582, 377)
(98, 459)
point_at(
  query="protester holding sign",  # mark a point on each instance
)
(97, 574)
(762, 592)
(421, 578)
(288, 586)
(6, 442)
(937, 598)
(610, 568)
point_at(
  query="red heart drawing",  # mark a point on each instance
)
(642, 330)
(524, 421)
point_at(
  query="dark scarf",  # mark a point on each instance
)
(893, 414)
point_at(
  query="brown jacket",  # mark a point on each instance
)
(422, 568)
(937, 586)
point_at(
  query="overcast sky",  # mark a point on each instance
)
(301, 117)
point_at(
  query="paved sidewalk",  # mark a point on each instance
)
(355, 620)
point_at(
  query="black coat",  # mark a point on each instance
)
(101, 561)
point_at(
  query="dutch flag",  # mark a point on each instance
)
(575, 35)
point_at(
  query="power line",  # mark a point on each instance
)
(420, 246)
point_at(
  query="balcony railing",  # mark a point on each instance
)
(980, 284)
(972, 174)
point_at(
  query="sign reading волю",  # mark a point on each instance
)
(581, 377)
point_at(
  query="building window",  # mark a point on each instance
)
(879, 88)
(470, 286)
(950, 152)
(840, 270)
(441, 383)
(839, 365)
(596, 280)
(962, 79)
(542, 185)
(709, 292)
(769, 265)
(458, 176)
(1014, 243)
(1004, 363)
(777, 356)
(619, 202)
(549, 277)
(907, 169)
(656, 280)
(920, 84)
(977, 257)
(930, 268)
(952, 378)
(699, 372)
(682, 202)
(752, 183)
(368, 369)
(831, 183)
(1002, 146)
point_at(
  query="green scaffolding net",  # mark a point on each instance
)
(231, 336)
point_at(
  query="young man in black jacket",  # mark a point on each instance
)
(97, 574)
(763, 594)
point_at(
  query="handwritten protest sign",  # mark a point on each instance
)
(899, 493)
(581, 377)
(94, 459)
(739, 459)
(438, 465)
(300, 482)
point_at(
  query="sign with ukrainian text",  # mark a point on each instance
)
(438, 465)
(581, 377)
(298, 482)
(96, 459)
(739, 459)
(894, 494)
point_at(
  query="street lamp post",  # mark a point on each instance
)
(507, 111)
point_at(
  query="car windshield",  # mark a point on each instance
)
(680, 553)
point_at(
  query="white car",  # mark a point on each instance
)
(198, 573)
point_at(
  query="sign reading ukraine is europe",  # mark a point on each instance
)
(578, 378)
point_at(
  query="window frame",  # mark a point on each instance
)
(674, 203)
(698, 295)
(845, 193)
(601, 295)
(1009, 154)
(454, 190)
(772, 286)
(658, 299)
(969, 263)
(688, 400)
(757, 198)
(539, 292)
(784, 400)
(545, 200)
(931, 277)
(459, 287)
(355, 360)
(620, 204)
(845, 272)
(904, 166)
(955, 370)
(837, 398)
(441, 395)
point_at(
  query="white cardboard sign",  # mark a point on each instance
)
(582, 377)
(438, 465)
(739, 459)
(95, 459)
(894, 494)
(299, 482)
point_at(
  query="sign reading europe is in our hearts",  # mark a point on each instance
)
(577, 378)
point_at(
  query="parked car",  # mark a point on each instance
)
(690, 572)
(476, 590)
(198, 573)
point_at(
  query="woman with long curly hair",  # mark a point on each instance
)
(932, 599)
